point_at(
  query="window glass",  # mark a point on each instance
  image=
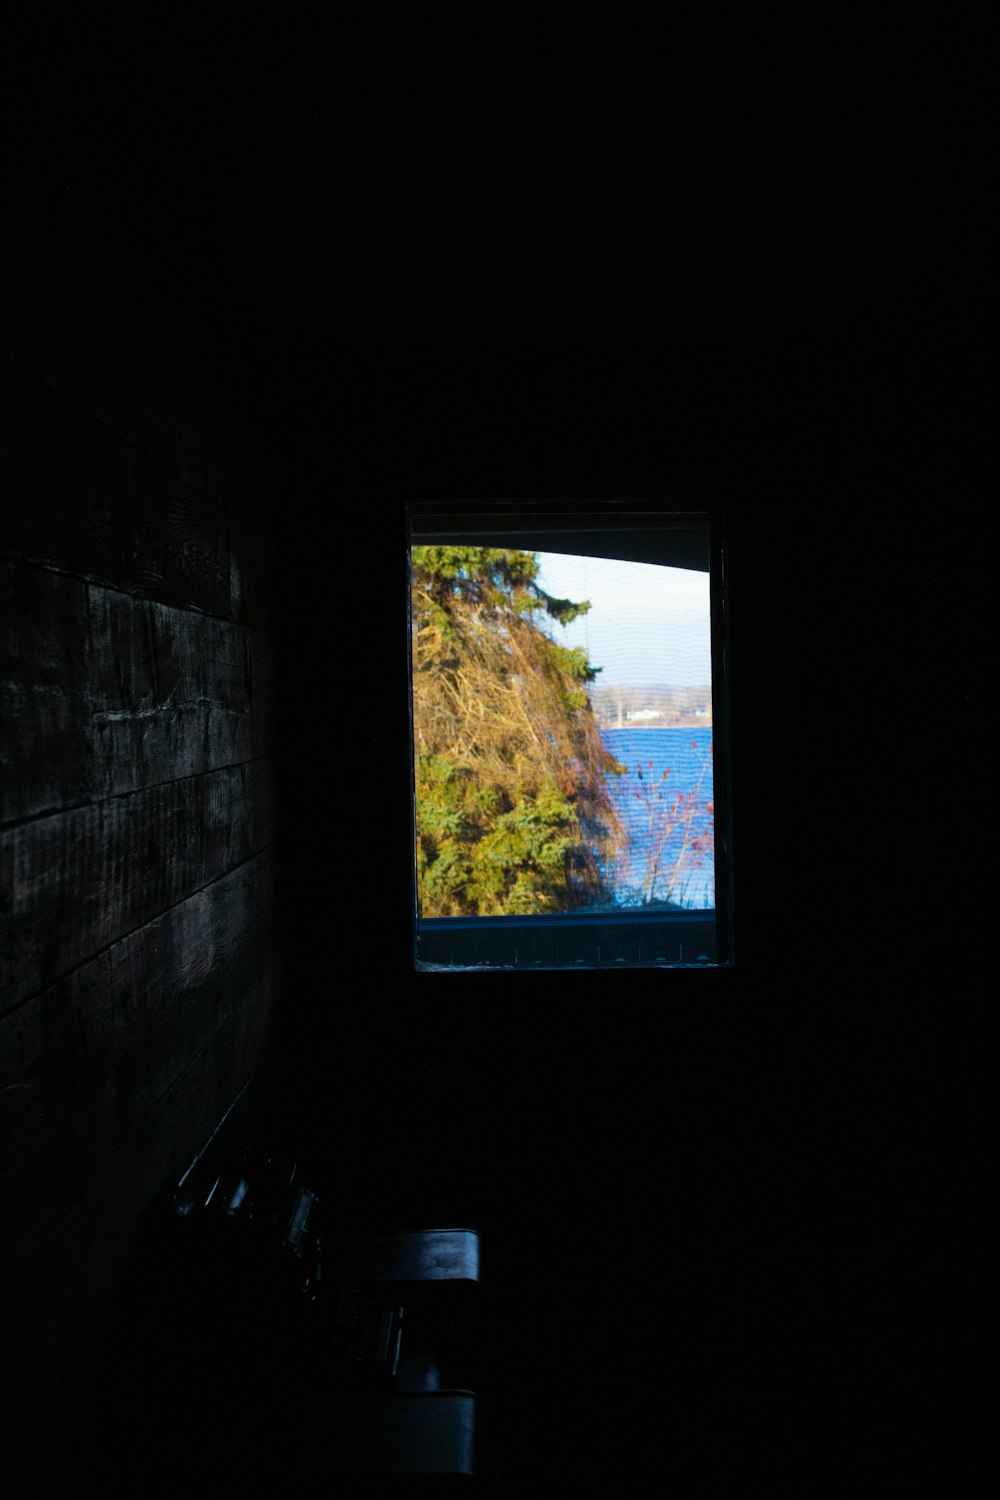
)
(562, 719)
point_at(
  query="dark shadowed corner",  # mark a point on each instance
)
(251, 315)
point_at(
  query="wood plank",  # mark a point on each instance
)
(58, 1117)
(83, 501)
(180, 976)
(45, 737)
(83, 1062)
(101, 693)
(189, 702)
(171, 544)
(81, 879)
(56, 1285)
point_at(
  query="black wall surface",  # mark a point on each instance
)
(139, 983)
(724, 1204)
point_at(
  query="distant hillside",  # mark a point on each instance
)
(652, 705)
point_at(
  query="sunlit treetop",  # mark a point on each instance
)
(491, 576)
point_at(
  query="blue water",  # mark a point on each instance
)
(685, 752)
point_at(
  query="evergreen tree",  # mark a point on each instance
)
(512, 810)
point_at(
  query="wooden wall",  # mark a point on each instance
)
(136, 668)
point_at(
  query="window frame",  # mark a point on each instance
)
(648, 529)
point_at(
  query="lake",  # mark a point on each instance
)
(644, 803)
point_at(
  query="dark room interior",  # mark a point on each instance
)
(255, 303)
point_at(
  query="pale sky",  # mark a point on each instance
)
(646, 623)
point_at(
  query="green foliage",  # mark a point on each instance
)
(492, 575)
(564, 610)
(572, 661)
(471, 855)
(512, 811)
(466, 571)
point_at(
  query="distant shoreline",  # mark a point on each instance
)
(620, 728)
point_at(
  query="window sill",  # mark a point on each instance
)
(571, 940)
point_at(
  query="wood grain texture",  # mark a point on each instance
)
(101, 693)
(84, 501)
(45, 739)
(180, 976)
(58, 1118)
(84, 1061)
(137, 988)
(76, 881)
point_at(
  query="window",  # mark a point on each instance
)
(568, 715)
